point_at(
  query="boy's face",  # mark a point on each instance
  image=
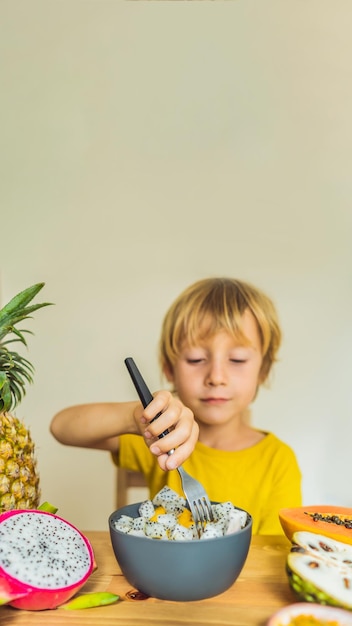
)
(218, 379)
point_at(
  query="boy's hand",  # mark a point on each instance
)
(176, 418)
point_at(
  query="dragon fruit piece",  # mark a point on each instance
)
(124, 523)
(155, 530)
(180, 533)
(43, 558)
(170, 500)
(168, 520)
(139, 524)
(234, 518)
(146, 509)
(214, 529)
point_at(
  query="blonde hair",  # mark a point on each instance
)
(215, 304)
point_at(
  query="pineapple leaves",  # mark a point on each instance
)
(20, 301)
(5, 393)
(17, 310)
(3, 380)
(15, 370)
(19, 336)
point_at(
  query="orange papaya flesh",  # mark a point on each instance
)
(328, 520)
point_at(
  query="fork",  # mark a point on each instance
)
(196, 496)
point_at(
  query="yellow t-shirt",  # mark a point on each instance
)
(261, 479)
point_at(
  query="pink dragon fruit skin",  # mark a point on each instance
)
(26, 536)
(10, 591)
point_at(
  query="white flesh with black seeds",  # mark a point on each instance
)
(227, 519)
(42, 551)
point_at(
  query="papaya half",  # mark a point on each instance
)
(331, 521)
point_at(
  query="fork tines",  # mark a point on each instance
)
(202, 513)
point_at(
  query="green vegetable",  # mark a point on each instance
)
(90, 600)
(46, 506)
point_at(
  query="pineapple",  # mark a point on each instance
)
(19, 479)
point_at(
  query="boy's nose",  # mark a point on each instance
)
(216, 374)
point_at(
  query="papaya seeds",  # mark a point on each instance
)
(332, 521)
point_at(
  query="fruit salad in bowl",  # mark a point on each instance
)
(159, 552)
(168, 517)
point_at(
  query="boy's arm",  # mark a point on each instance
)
(95, 425)
(99, 425)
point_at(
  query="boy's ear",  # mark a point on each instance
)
(168, 373)
(261, 378)
(263, 375)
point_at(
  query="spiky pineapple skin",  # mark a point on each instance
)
(19, 477)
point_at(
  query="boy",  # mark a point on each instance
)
(218, 343)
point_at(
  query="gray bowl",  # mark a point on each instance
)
(179, 570)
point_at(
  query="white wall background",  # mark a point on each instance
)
(145, 145)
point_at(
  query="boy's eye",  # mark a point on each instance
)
(194, 360)
(238, 360)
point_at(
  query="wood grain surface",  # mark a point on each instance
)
(261, 589)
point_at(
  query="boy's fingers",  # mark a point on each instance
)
(159, 404)
(180, 454)
(177, 436)
(173, 417)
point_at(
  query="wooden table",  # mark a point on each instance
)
(261, 589)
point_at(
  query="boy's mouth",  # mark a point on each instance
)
(214, 400)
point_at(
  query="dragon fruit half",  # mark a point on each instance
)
(44, 560)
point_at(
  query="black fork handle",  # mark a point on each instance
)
(144, 393)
